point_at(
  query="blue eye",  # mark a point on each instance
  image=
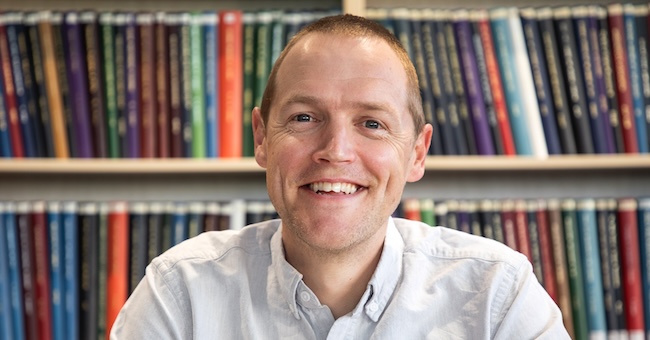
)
(372, 124)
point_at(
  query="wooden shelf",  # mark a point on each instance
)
(248, 165)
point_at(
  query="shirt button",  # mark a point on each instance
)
(305, 296)
(372, 307)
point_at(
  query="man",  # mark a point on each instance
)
(340, 131)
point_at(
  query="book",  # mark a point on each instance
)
(472, 84)
(593, 279)
(109, 80)
(162, 87)
(641, 21)
(15, 276)
(628, 234)
(230, 81)
(634, 68)
(70, 265)
(248, 79)
(508, 220)
(138, 240)
(622, 77)
(180, 228)
(132, 89)
(521, 229)
(574, 268)
(77, 74)
(212, 214)
(41, 254)
(440, 212)
(427, 215)
(10, 100)
(411, 209)
(573, 75)
(546, 249)
(57, 277)
(6, 326)
(117, 271)
(560, 262)
(644, 245)
(172, 21)
(195, 219)
(147, 64)
(102, 264)
(96, 101)
(155, 223)
(27, 269)
(88, 220)
(5, 136)
(530, 26)
(197, 84)
(210, 36)
(533, 239)
(262, 59)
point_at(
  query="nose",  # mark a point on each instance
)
(336, 144)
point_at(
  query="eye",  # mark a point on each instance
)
(372, 124)
(302, 117)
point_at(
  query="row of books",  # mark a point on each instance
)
(591, 255)
(531, 81)
(135, 85)
(66, 268)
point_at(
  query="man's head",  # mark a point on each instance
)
(339, 139)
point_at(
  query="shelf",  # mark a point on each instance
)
(248, 165)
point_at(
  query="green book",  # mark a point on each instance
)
(198, 91)
(248, 20)
(427, 206)
(574, 268)
(110, 88)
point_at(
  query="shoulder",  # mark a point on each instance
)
(445, 243)
(252, 241)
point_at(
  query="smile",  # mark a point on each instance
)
(327, 187)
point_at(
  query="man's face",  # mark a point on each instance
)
(339, 144)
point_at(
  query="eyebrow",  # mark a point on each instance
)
(362, 105)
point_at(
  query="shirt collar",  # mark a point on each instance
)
(380, 288)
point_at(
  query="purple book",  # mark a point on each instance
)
(471, 80)
(76, 61)
(132, 86)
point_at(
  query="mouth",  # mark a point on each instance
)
(323, 188)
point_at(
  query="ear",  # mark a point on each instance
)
(420, 152)
(259, 137)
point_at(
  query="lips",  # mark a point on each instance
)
(334, 187)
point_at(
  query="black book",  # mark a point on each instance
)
(89, 269)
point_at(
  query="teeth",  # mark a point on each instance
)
(346, 188)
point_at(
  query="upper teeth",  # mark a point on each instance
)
(346, 188)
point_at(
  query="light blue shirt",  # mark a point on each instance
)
(432, 283)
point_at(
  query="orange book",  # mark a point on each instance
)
(54, 98)
(411, 209)
(10, 96)
(117, 271)
(230, 84)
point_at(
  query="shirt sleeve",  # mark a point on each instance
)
(155, 310)
(528, 311)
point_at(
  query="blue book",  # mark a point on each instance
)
(180, 227)
(14, 28)
(631, 42)
(641, 18)
(15, 277)
(185, 71)
(210, 38)
(57, 278)
(71, 269)
(138, 233)
(503, 47)
(132, 76)
(644, 235)
(591, 269)
(6, 326)
(5, 137)
(530, 26)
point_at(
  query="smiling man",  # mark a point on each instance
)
(340, 132)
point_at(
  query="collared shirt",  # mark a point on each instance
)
(430, 283)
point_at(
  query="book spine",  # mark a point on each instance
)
(102, 265)
(138, 243)
(472, 85)
(634, 69)
(560, 260)
(6, 325)
(628, 233)
(516, 113)
(90, 28)
(641, 19)
(533, 239)
(622, 77)
(411, 208)
(644, 245)
(212, 212)
(615, 264)
(117, 271)
(521, 229)
(209, 27)
(186, 83)
(10, 93)
(147, 64)
(57, 278)
(27, 269)
(574, 79)
(197, 66)
(574, 268)
(593, 279)
(508, 219)
(132, 87)
(5, 134)
(606, 267)
(546, 249)
(41, 270)
(179, 224)
(162, 87)
(71, 262)
(78, 82)
(538, 67)
(15, 276)
(176, 99)
(108, 73)
(88, 268)
(427, 206)
(248, 79)
(195, 223)
(119, 40)
(155, 230)
(230, 81)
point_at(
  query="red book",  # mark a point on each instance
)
(10, 95)
(117, 271)
(411, 208)
(622, 77)
(521, 227)
(498, 97)
(145, 27)
(42, 270)
(28, 273)
(508, 221)
(162, 87)
(546, 250)
(628, 233)
(230, 84)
